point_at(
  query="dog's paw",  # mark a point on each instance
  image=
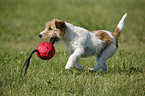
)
(91, 70)
(67, 68)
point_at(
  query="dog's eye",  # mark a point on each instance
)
(49, 28)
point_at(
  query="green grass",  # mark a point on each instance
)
(20, 24)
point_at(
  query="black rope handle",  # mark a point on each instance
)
(27, 62)
(52, 42)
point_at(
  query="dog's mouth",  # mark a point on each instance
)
(53, 40)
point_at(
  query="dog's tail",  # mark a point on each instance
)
(120, 26)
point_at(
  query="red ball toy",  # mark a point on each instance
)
(46, 50)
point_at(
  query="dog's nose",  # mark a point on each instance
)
(40, 35)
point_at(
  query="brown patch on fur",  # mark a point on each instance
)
(116, 33)
(60, 25)
(105, 37)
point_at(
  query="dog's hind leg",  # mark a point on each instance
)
(73, 60)
(100, 65)
(105, 55)
(104, 68)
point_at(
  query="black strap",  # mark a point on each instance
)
(27, 62)
(52, 42)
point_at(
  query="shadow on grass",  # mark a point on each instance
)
(129, 71)
(73, 71)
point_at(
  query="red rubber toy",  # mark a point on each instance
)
(46, 50)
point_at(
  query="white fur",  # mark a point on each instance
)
(82, 43)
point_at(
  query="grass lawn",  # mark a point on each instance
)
(21, 21)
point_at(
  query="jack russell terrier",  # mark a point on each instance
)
(80, 42)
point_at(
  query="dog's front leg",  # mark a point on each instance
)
(73, 60)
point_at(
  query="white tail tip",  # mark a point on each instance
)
(122, 22)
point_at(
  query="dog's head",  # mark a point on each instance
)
(55, 30)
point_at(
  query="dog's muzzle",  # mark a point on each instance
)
(40, 35)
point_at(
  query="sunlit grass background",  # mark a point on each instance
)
(20, 24)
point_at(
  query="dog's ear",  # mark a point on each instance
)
(60, 24)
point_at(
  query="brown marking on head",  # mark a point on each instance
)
(54, 28)
(116, 33)
(105, 37)
(61, 26)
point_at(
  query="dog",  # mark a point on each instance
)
(80, 42)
